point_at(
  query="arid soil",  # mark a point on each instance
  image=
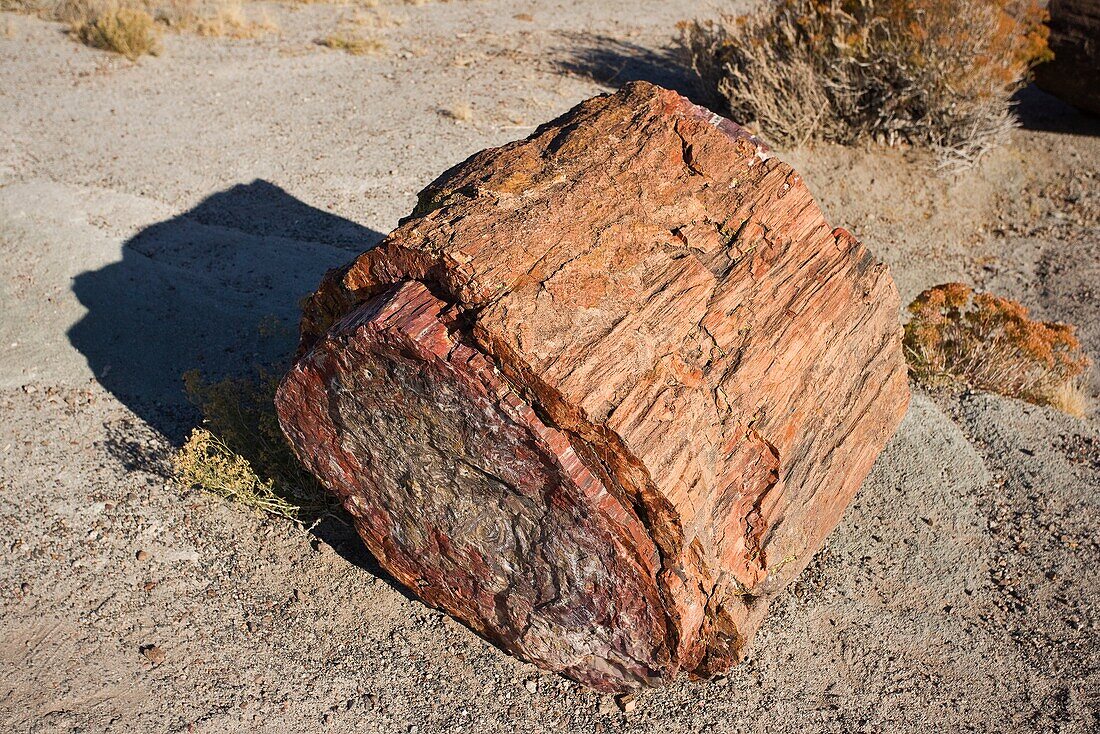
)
(154, 215)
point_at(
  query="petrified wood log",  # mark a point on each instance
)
(1074, 74)
(605, 391)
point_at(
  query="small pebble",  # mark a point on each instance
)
(153, 653)
(142, 555)
(627, 703)
(531, 686)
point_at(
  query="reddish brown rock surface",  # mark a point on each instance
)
(605, 391)
(1074, 74)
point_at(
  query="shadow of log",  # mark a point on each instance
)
(613, 62)
(1039, 110)
(191, 293)
(202, 291)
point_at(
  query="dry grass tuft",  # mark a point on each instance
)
(230, 21)
(977, 339)
(132, 27)
(214, 18)
(1070, 397)
(241, 453)
(354, 44)
(938, 73)
(357, 33)
(205, 462)
(124, 30)
(372, 19)
(28, 7)
(459, 112)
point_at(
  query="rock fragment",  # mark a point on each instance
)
(1074, 74)
(153, 653)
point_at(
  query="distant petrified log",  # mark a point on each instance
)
(605, 391)
(1074, 74)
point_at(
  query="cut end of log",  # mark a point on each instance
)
(469, 499)
(606, 390)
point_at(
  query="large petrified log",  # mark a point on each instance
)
(605, 391)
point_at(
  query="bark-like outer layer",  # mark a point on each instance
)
(605, 391)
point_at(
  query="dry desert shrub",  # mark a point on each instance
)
(240, 452)
(27, 7)
(213, 18)
(977, 339)
(357, 32)
(371, 18)
(939, 73)
(133, 27)
(230, 21)
(129, 31)
(355, 44)
(205, 462)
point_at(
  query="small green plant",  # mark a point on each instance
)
(938, 73)
(240, 452)
(977, 339)
(124, 30)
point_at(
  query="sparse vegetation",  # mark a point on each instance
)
(207, 463)
(372, 17)
(133, 27)
(938, 73)
(229, 21)
(27, 7)
(125, 30)
(240, 452)
(357, 32)
(351, 43)
(983, 341)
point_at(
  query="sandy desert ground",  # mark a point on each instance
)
(153, 214)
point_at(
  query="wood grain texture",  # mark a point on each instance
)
(634, 346)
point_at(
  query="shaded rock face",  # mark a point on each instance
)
(1074, 74)
(605, 391)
